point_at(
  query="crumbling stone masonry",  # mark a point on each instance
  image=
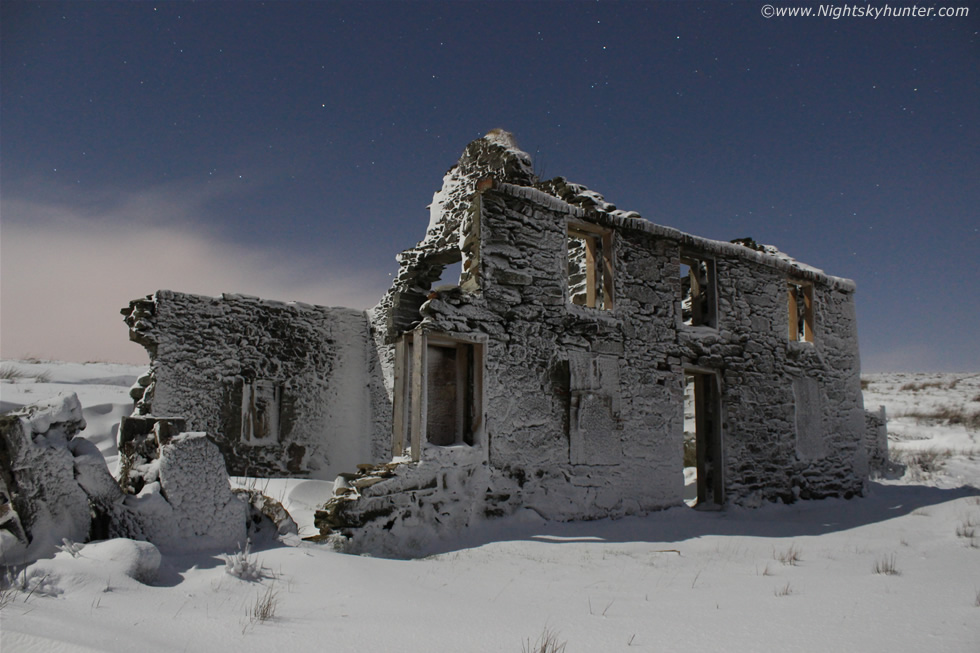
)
(55, 486)
(284, 389)
(551, 374)
(41, 502)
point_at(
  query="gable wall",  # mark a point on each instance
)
(322, 360)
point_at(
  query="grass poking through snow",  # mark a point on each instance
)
(546, 643)
(951, 415)
(264, 609)
(13, 373)
(886, 565)
(790, 556)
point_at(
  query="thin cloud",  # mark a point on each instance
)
(67, 271)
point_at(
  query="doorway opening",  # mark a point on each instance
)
(704, 485)
(438, 393)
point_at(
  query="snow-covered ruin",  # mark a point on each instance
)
(575, 358)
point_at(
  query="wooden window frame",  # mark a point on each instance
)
(804, 288)
(708, 317)
(410, 402)
(598, 262)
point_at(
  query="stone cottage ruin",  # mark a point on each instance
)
(550, 372)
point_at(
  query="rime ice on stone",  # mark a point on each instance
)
(550, 374)
(193, 478)
(50, 481)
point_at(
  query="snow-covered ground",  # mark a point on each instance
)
(897, 570)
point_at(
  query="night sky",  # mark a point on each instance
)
(289, 149)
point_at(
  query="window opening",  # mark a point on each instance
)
(260, 412)
(590, 278)
(800, 311)
(697, 291)
(703, 470)
(449, 277)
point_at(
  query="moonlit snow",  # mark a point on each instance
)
(896, 570)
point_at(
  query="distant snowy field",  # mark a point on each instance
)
(897, 570)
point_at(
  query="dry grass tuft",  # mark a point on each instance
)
(968, 529)
(10, 372)
(921, 465)
(785, 590)
(546, 643)
(951, 415)
(925, 385)
(264, 608)
(790, 556)
(886, 565)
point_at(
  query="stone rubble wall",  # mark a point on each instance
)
(761, 367)
(773, 449)
(41, 502)
(533, 333)
(189, 503)
(322, 362)
(405, 510)
(876, 441)
(583, 408)
(56, 490)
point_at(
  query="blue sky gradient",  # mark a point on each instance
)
(289, 149)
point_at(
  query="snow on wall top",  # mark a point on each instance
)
(301, 306)
(766, 254)
(494, 155)
(497, 155)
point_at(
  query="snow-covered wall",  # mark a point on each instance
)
(551, 373)
(584, 405)
(282, 388)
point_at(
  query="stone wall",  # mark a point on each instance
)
(283, 388)
(584, 405)
(587, 322)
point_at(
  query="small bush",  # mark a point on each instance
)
(785, 590)
(865, 383)
(886, 565)
(546, 643)
(245, 566)
(71, 548)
